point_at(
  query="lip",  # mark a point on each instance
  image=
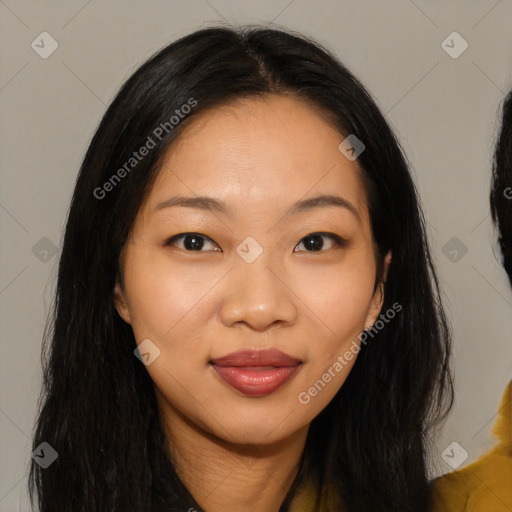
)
(264, 357)
(256, 373)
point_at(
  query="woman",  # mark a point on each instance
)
(247, 316)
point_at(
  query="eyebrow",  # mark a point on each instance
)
(214, 205)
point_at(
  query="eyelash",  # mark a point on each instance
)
(340, 242)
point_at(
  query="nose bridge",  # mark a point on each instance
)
(257, 294)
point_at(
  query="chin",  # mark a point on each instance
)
(255, 436)
(256, 432)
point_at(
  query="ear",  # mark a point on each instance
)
(120, 303)
(378, 296)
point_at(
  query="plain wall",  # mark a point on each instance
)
(444, 110)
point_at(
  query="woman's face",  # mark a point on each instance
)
(258, 271)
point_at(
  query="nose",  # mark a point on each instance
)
(258, 295)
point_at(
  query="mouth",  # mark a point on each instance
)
(256, 373)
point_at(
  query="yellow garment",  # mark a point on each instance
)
(483, 486)
(486, 484)
(305, 500)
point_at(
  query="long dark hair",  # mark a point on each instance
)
(501, 186)
(98, 408)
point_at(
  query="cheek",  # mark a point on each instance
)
(162, 296)
(339, 298)
(341, 305)
(341, 301)
(167, 306)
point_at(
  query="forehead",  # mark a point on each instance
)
(258, 152)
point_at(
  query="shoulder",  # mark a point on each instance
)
(486, 484)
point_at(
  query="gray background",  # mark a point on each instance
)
(443, 109)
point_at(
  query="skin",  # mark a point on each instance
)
(259, 156)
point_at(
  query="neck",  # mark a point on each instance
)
(228, 477)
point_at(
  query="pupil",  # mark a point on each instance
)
(314, 242)
(193, 242)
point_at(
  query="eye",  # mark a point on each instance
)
(314, 241)
(191, 242)
(194, 242)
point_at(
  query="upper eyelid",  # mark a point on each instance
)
(338, 239)
(188, 233)
(180, 236)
